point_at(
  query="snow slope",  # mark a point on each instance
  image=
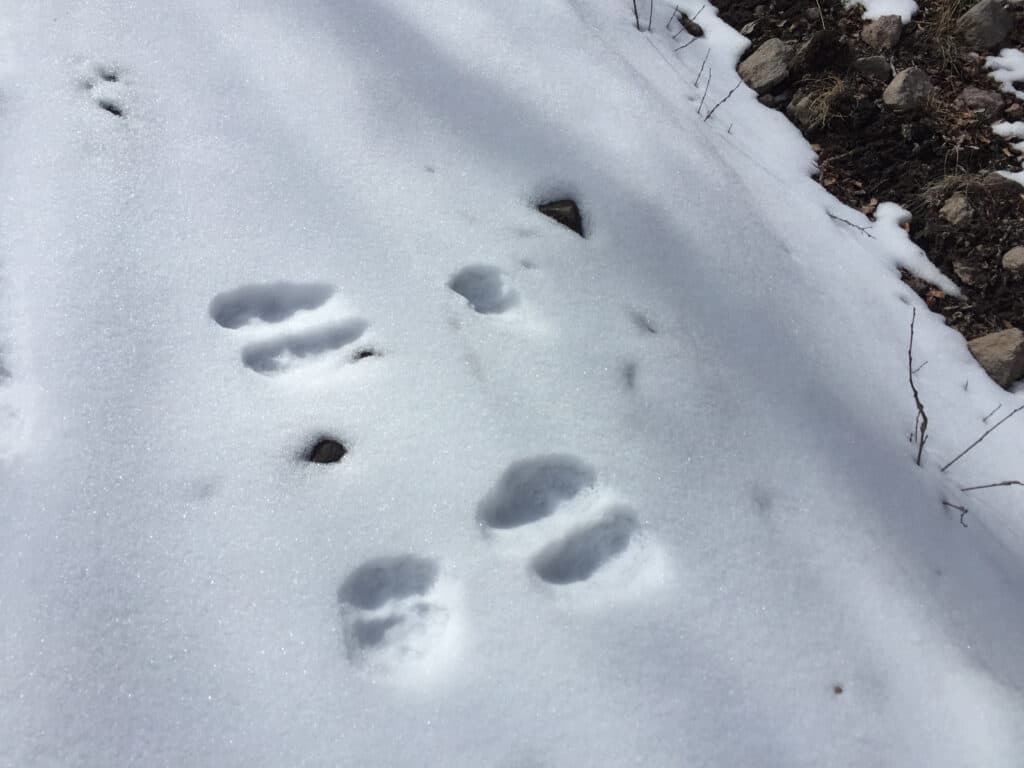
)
(655, 506)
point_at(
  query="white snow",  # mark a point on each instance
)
(874, 9)
(1007, 69)
(640, 498)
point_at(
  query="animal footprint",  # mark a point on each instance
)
(531, 489)
(582, 552)
(391, 613)
(104, 85)
(485, 288)
(569, 550)
(293, 321)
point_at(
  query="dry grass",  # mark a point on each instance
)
(828, 98)
(938, 26)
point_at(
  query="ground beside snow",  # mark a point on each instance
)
(653, 505)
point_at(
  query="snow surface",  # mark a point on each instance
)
(1007, 69)
(874, 9)
(643, 498)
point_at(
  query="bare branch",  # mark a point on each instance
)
(701, 72)
(863, 230)
(650, 16)
(962, 510)
(706, 86)
(699, 12)
(984, 434)
(922, 365)
(668, 24)
(684, 45)
(922, 436)
(992, 485)
(636, 17)
(991, 414)
(727, 97)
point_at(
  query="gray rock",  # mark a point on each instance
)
(800, 110)
(985, 26)
(326, 451)
(1013, 260)
(909, 90)
(768, 66)
(883, 34)
(1015, 111)
(1001, 354)
(874, 68)
(986, 104)
(957, 210)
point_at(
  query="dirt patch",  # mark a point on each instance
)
(869, 153)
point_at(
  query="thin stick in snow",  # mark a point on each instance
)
(992, 485)
(863, 230)
(701, 72)
(962, 510)
(922, 436)
(698, 13)
(727, 97)
(636, 17)
(650, 17)
(706, 86)
(991, 414)
(668, 24)
(984, 434)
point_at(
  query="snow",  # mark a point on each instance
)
(640, 498)
(874, 9)
(1007, 69)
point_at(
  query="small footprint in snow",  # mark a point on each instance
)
(293, 342)
(486, 289)
(391, 612)
(532, 490)
(104, 84)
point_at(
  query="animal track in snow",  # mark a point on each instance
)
(485, 288)
(570, 550)
(269, 302)
(583, 551)
(531, 489)
(390, 611)
(104, 85)
(279, 354)
(285, 339)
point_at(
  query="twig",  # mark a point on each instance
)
(821, 14)
(863, 230)
(923, 435)
(922, 365)
(636, 17)
(701, 72)
(699, 12)
(962, 510)
(991, 414)
(668, 24)
(684, 45)
(992, 485)
(650, 16)
(706, 86)
(984, 434)
(727, 96)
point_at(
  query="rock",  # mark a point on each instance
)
(768, 66)
(965, 272)
(1015, 111)
(326, 451)
(909, 90)
(565, 212)
(957, 210)
(985, 26)
(1001, 354)
(800, 110)
(1013, 260)
(748, 29)
(997, 184)
(823, 50)
(883, 34)
(985, 104)
(874, 68)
